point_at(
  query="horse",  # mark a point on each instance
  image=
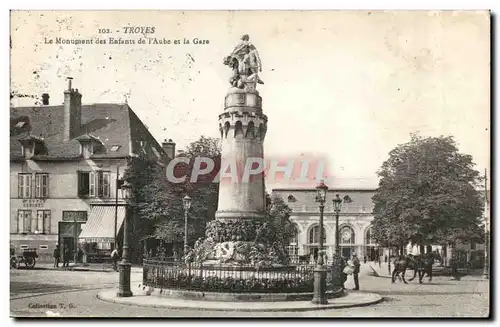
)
(424, 265)
(401, 264)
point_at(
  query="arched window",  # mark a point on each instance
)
(238, 129)
(346, 235)
(250, 130)
(314, 235)
(294, 240)
(293, 246)
(369, 238)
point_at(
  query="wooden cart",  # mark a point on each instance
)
(28, 258)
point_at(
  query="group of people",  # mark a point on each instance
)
(350, 273)
(66, 256)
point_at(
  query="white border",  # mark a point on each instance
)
(192, 5)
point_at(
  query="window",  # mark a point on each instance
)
(24, 185)
(24, 221)
(314, 235)
(293, 246)
(369, 239)
(41, 185)
(346, 235)
(43, 221)
(87, 150)
(83, 184)
(94, 184)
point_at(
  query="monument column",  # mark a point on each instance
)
(242, 128)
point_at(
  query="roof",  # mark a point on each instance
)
(115, 125)
(304, 200)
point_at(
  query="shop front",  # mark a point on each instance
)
(101, 233)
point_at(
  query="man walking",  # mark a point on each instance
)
(57, 256)
(115, 256)
(66, 256)
(356, 264)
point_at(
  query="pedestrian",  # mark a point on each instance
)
(343, 263)
(385, 258)
(66, 256)
(85, 249)
(115, 256)
(355, 262)
(364, 259)
(57, 256)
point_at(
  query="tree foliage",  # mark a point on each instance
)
(427, 195)
(203, 192)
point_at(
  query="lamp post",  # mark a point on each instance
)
(119, 183)
(338, 262)
(319, 296)
(486, 265)
(337, 205)
(186, 202)
(124, 265)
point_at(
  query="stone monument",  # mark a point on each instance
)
(242, 128)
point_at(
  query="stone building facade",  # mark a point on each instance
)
(64, 164)
(354, 222)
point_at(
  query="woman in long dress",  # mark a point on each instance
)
(349, 283)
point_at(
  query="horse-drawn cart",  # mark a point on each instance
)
(28, 258)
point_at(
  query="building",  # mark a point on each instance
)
(354, 222)
(65, 163)
(354, 226)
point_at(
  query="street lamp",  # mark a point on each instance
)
(338, 262)
(186, 202)
(124, 265)
(337, 205)
(319, 296)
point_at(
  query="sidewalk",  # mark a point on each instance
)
(95, 267)
(352, 299)
(383, 272)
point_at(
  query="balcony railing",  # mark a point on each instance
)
(329, 208)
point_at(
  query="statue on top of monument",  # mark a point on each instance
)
(246, 65)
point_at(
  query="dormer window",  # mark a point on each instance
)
(20, 124)
(89, 145)
(87, 150)
(291, 198)
(115, 148)
(32, 146)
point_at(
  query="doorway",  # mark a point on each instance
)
(346, 252)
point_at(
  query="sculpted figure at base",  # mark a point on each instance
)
(245, 64)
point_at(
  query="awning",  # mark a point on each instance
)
(100, 226)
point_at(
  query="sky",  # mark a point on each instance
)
(344, 86)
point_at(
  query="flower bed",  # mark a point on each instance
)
(178, 276)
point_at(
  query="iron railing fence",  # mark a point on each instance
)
(178, 275)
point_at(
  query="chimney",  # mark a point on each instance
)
(169, 148)
(45, 99)
(72, 112)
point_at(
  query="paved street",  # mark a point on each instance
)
(74, 294)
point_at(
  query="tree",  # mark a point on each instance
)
(203, 191)
(279, 216)
(427, 195)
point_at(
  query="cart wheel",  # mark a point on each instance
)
(30, 262)
(13, 262)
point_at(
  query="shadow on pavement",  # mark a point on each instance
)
(17, 288)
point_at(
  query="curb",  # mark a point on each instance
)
(370, 299)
